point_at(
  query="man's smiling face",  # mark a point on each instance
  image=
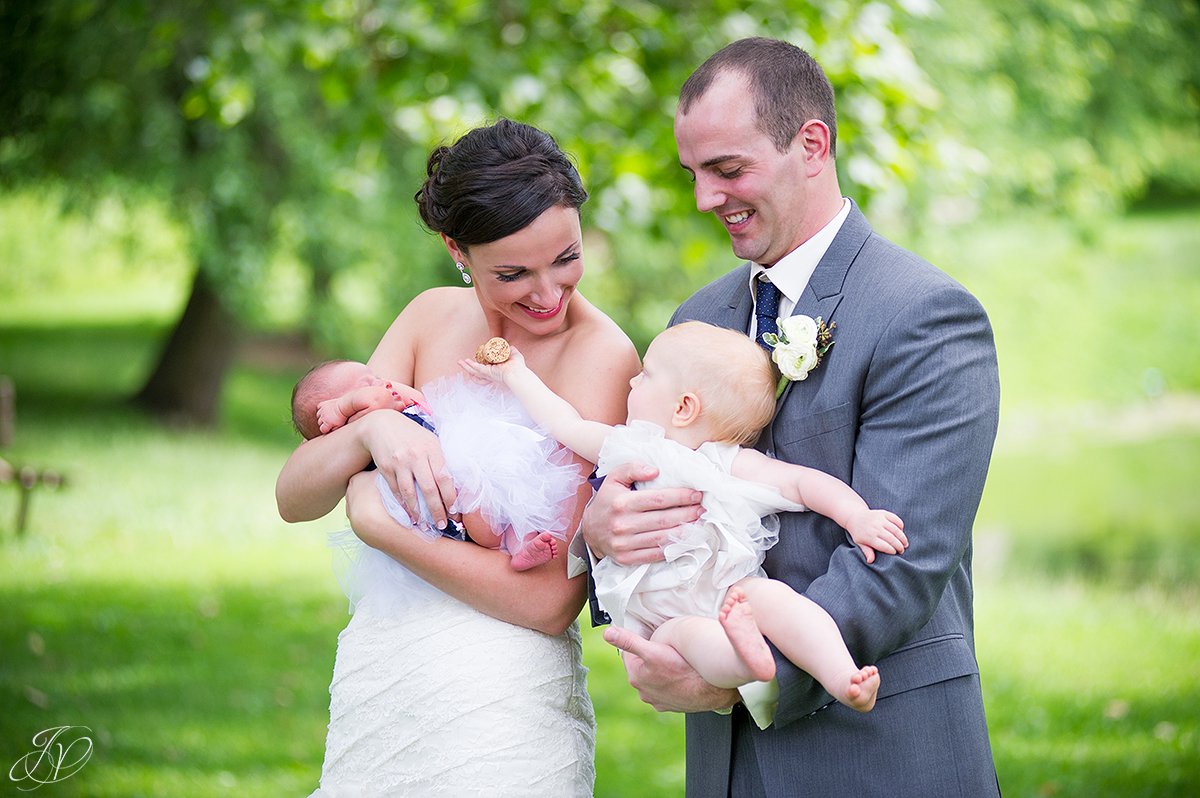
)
(756, 191)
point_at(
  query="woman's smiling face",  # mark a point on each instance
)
(530, 276)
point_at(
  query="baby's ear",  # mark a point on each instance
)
(687, 410)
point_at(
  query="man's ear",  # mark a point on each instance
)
(814, 139)
(687, 410)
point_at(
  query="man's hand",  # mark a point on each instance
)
(632, 526)
(410, 459)
(663, 678)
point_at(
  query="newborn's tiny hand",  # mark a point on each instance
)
(329, 417)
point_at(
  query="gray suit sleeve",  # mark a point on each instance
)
(930, 407)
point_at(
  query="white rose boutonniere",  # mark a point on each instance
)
(798, 348)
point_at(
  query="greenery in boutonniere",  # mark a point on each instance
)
(798, 348)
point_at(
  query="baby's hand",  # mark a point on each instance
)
(499, 372)
(329, 417)
(877, 530)
(404, 396)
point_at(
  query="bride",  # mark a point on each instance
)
(458, 675)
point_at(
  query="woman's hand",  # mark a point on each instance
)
(410, 458)
(630, 525)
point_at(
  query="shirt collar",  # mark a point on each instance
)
(793, 271)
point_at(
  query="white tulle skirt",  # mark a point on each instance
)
(431, 697)
(520, 479)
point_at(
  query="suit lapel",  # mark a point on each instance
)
(735, 313)
(823, 293)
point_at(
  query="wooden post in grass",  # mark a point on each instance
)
(8, 411)
(26, 477)
(30, 478)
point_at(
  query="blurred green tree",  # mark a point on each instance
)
(299, 128)
(1076, 106)
(309, 121)
(194, 102)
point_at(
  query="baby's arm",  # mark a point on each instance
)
(341, 410)
(548, 409)
(871, 530)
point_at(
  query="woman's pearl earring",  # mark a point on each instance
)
(463, 271)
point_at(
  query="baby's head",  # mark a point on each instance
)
(327, 380)
(730, 375)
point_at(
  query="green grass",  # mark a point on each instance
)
(194, 633)
(159, 600)
(1090, 691)
(1104, 316)
(186, 687)
(1123, 512)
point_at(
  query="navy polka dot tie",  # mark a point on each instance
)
(766, 309)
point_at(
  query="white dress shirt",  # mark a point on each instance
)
(793, 271)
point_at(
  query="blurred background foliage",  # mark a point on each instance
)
(198, 199)
(281, 142)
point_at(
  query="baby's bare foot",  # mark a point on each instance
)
(862, 688)
(536, 551)
(738, 621)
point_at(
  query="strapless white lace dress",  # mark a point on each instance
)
(431, 697)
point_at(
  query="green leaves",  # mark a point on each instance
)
(299, 129)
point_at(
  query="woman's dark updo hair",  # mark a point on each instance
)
(495, 181)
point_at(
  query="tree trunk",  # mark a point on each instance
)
(186, 383)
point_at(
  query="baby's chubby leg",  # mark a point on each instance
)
(536, 549)
(737, 619)
(704, 643)
(478, 530)
(806, 634)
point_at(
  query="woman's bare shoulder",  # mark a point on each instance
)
(440, 298)
(598, 339)
(396, 352)
(431, 303)
(595, 368)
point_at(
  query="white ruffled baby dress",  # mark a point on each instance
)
(727, 543)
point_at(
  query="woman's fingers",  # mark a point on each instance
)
(426, 482)
(437, 488)
(404, 488)
(410, 459)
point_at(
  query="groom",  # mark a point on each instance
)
(904, 407)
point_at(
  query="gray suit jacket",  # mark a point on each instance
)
(904, 408)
